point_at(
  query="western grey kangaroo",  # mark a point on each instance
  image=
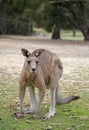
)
(42, 69)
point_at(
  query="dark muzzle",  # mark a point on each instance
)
(33, 69)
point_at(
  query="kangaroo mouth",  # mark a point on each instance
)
(33, 71)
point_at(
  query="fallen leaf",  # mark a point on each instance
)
(14, 126)
(49, 128)
(28, 121)
(16, 119)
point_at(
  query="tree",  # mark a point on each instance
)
(52, 20)
(19, 16)
(76, 13)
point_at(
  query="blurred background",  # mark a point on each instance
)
(58, 19)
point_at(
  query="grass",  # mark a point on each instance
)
(68, 35)
(72, 116)
(42, 35)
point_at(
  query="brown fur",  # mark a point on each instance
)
(47, 74)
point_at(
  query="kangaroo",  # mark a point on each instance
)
(42, 69)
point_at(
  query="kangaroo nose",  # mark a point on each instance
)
(33, 69)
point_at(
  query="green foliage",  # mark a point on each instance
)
(19, 16)
(48, 19)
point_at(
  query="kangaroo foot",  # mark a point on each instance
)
(19, 115)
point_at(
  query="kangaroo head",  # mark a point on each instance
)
(32, 60)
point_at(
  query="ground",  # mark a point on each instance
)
(75, 80)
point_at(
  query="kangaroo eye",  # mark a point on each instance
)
(28, 62)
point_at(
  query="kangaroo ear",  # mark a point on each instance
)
(25, 52)
(38, 52)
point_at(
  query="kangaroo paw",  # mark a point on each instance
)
(48, 115)
(19, 115)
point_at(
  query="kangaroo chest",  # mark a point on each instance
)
(31, 81)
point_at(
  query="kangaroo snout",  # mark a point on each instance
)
(33, 70)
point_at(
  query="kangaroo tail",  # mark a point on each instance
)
(67, 99)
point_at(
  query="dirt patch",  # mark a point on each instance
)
(73, 55)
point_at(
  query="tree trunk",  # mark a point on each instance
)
(56, 32)
(78, 19)
(30, 30)
(74, 32)
(86, 35)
